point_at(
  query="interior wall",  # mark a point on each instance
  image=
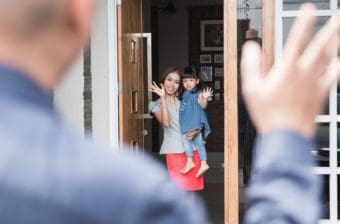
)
(173, 32)
(173, 49)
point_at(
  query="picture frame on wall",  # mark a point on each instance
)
(218, 58)
(205, 58)
(219, 72)
(217, 84)
(206, 73)
(212, 35)
(217, 96)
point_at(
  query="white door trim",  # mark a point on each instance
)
(105, 73)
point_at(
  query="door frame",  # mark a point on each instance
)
(104, 75)
(231, 194)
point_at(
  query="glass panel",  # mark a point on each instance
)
(325, 197)
(338, 8)
(295, 4)
(321, 152)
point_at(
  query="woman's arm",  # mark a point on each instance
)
(163, 115)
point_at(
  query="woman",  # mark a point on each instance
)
(166, 111)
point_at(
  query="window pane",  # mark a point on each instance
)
(295, 4)
(321, 152)
(325, 197)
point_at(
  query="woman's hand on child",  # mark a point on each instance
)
(160, 91)
(193, 134)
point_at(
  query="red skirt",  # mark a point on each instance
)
(187, 182)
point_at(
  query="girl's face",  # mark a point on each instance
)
(190, 83)
(171, 83)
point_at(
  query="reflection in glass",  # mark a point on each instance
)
(325, 197)
(295, 4)
(321, 152)
(288, 22)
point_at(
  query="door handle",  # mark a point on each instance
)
(149, 58)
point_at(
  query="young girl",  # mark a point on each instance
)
(193, 117)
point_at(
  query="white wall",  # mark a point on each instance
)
(104, 73)
(68, 96)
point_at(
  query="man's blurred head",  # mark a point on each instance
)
(43, 37)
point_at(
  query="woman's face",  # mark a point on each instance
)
(171, 83)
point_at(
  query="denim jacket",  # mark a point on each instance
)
(191, 115)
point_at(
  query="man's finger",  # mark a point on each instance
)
(332, 75)
(251, 64)
(322, 48)
(299, 34)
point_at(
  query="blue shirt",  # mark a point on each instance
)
(283, 188)
(191, 115)
(50, 175)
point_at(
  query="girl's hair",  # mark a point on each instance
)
(190, 72)
(168, 71)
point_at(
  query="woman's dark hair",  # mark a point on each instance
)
(190, 72)
(168, 71)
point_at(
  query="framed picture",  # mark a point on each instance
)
(212, 35)
(206, 73)
(217, 96)
(217, 84)
(205, 58)
(219, 72)
(218, 58)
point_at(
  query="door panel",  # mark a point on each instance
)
(131, 77)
